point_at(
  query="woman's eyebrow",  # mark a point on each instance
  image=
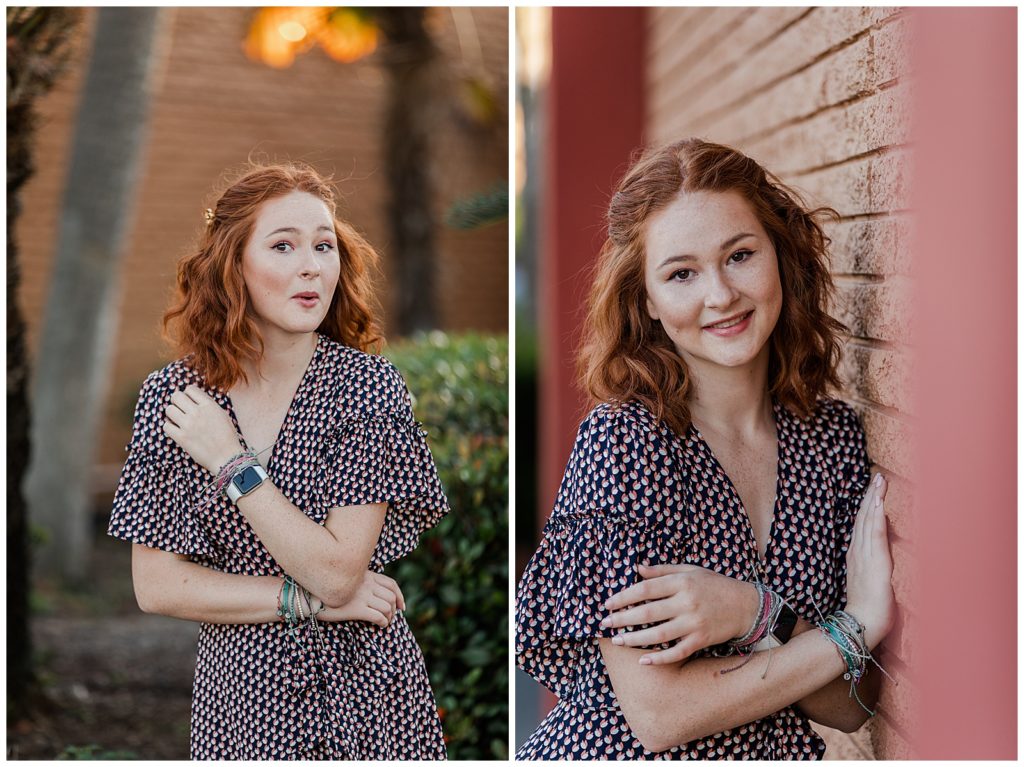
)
(687, 257)
(293, 230)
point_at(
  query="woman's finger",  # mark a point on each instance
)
(654, 588)
(654, 571)
(376, 617)
(382, 606)
(182, 401)
(173, 415)
(674, 654)
(196, 394)
(665, 632)
(387, 595)
(652, 612)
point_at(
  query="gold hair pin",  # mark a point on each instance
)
(209, 215)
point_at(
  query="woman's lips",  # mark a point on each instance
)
(308, 300)
(731, 330)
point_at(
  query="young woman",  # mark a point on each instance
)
(273, 471)
(714, 493)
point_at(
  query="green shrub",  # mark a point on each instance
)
(456, 581)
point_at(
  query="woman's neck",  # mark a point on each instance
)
(285, 358)
(732, 401)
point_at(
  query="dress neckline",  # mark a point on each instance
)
(760, 563)
(292, 406)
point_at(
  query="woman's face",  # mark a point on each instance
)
(290, 264)
(712, 280)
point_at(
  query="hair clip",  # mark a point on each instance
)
(209, 215)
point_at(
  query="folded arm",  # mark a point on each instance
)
(331, 557)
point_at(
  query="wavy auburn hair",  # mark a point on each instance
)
(211, 319)
(626, 355)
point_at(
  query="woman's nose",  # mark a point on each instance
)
(309, 266)
(720, 291)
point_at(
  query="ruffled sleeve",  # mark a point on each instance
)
(379, 454)
(851, 468)
(851, 462)
(152, 505)
(607, 519)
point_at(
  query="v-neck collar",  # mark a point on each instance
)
(288, 416)
(760, 563)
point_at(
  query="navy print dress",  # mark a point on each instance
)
(635, 493)
(349, 438)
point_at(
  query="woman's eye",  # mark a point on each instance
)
(325, 247)
(282, 247)
(740, 256)
(681, 275)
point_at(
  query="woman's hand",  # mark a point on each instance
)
(202, 428)
(699, 607)
(869, 596)
(375, 601)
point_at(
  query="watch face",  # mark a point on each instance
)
(247, 480)
(784, 626)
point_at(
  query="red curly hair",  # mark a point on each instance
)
(626, 355)
(211, 320)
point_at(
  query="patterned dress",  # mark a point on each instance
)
(349, 438)
(635, 493)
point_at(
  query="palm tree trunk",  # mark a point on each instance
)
(36, 54)
(80, 324)
(412, 62)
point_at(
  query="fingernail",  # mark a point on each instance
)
(878, 480)
(645, 661)
(617, 640)
(604, 623)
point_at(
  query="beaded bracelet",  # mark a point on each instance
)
(770, 608)
(847, 634)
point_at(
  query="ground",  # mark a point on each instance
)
(115, 683)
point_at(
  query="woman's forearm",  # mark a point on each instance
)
(669, 705)
(169, 584)
(328, 562)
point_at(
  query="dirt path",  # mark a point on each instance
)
(114, 680)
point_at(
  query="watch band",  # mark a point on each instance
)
(245, 481)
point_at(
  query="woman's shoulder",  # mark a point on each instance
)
(361, 375)
(170, 378)
(626, 417)
(833, 414)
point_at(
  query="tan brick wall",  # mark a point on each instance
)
(818, 95)
(211, 108)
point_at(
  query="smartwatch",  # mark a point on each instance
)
(784, 625)
(245, 481)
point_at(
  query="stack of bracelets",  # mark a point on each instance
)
(235, 466)
(840, 628)
(769, 609)
(847, 634)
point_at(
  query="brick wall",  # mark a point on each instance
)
(819, 97)
(211, 108)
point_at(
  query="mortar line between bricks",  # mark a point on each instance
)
(716, 75)
(875, 215)
(849, 101)
(713, 114)
(878, 343)
(860, 278)
(889, 412)
(709, 43)
(880, 151)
